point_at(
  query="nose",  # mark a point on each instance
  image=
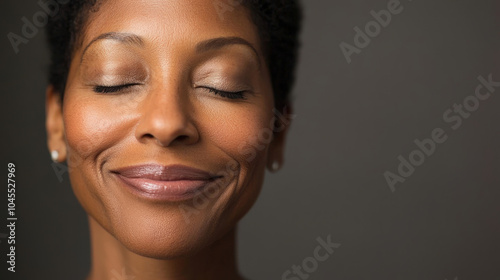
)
(166, 120)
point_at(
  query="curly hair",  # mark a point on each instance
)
(278, 23)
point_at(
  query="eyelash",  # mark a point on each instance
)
(225, 94)
(112, 89)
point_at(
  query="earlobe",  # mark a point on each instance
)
(276, 152)
(54, 125)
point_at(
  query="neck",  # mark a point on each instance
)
(111, 260)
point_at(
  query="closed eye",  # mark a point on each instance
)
(113, 89)
(222, 93)
(227, 94)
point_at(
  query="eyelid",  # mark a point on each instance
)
(112, 71)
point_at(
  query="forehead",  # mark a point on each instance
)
(166, 22)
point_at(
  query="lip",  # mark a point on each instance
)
(164, 183)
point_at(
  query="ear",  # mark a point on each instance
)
(54, 123)
(277, 146)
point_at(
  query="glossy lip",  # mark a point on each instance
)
(164, 183)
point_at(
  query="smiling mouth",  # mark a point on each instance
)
(164, 183)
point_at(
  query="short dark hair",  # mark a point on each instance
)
(278, 23)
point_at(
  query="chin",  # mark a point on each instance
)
(163, 232)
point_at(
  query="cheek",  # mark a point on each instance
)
(244, 137)
(241, 132)
(94, 126)
(91, 127)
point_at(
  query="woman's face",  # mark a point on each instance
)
(156, 88)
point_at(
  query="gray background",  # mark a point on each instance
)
(353, 121)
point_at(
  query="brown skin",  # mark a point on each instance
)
(168, 118)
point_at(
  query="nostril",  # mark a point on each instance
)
(181, 138)
(147, 135)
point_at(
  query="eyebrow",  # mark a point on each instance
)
(218, 43)
(204, 46)
(126, 38)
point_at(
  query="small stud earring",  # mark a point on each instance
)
(275, 166)
(55, 155)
